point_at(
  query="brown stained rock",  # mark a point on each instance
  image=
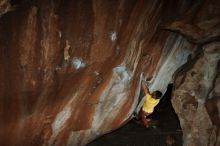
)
(66, 51)
(190, 98)
(5, 6)
(213, 105)
(201, 23)
(70, 70)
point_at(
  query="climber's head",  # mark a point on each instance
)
(156, 94)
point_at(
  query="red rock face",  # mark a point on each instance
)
(70, 70)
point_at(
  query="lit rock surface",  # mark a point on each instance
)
(5, 6)
(70, 70)
(195, 104)
(196, 95)
(200, 23)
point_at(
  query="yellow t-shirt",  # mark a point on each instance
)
(149, 103)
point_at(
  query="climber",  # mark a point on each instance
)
(150, 101)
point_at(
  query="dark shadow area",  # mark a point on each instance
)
(167, 133)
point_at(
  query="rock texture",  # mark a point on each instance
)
(196, 98)
(200, 23)
(5, 6)
(70, 70)
(196, 95)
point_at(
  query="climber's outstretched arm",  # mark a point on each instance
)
(144, 87)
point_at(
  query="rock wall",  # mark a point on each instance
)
(193, 100)
(196, 95)
(70, 70)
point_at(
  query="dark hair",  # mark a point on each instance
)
(157, 94)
